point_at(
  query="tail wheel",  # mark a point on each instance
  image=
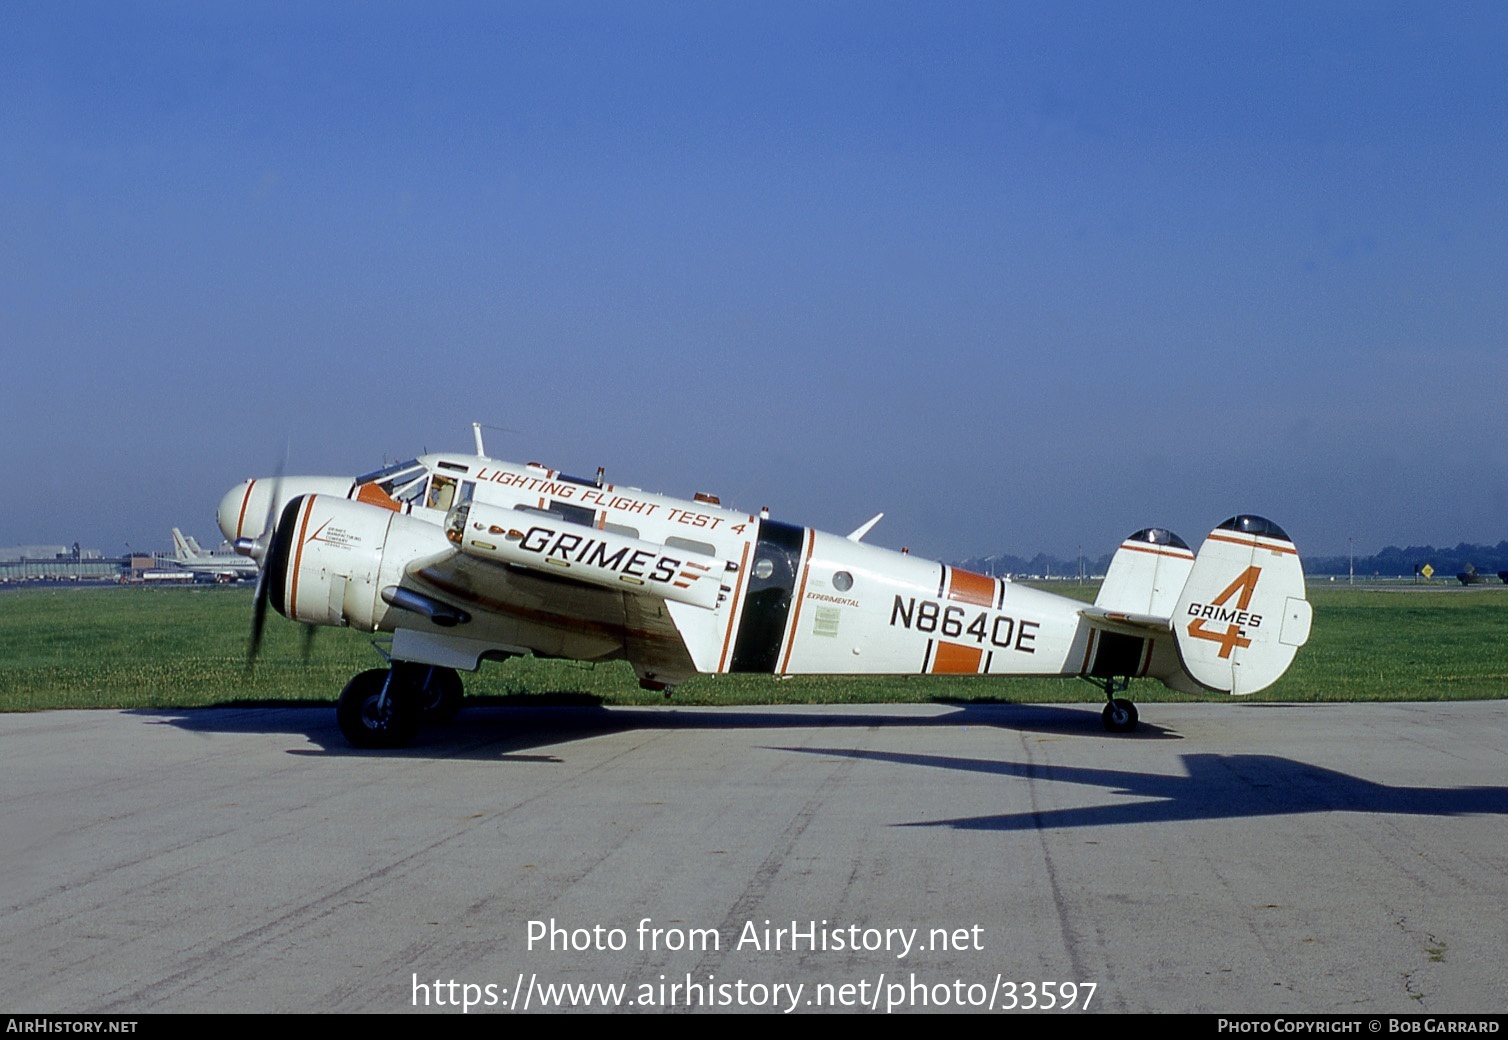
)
(379, 708)
(1120, 716)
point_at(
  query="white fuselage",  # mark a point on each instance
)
(802, 601)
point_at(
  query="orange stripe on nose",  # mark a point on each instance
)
(245, 501)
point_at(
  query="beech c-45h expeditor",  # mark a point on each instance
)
(464, 558)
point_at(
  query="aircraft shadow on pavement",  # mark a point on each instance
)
(492, 733)
(1213, 786)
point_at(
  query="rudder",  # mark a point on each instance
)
(1242, 614)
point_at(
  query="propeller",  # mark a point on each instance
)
(259, 551)
(273, 547)
(308, 641)
(272, 550)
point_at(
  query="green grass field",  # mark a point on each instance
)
(186, 647)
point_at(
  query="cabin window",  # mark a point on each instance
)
(690, 544)
(563, 511)
(583, 515)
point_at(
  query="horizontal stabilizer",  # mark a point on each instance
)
(1131, 624)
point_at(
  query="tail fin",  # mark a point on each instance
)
(181, 551)
(1146, 574)
(1242, 614)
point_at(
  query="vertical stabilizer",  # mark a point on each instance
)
(1242, 614)
(1147, 573)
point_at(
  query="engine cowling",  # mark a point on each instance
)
(331, 558)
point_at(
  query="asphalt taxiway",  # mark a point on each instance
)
(1230, 857)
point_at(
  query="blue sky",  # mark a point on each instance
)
(1026, 277)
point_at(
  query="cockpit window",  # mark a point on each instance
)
(394, 477)
(410, 492)
(396, 469)
(403, 482)
(442, 493)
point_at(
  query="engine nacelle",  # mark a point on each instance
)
(331, 558)
(597, 557)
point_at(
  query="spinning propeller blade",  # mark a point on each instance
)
(262, 554)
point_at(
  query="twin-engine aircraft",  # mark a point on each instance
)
(464, 558)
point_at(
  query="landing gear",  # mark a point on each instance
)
(440, 689)
(384, 707)
(1120, 716)
(380, 708)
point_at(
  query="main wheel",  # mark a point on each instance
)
(1120, 716)
(440, 690)
(371, 721)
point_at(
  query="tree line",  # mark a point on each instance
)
(1392, 561)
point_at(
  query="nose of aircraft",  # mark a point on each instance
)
(245, 507)
(234, 507)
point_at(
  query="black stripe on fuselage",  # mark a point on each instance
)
(768, 597)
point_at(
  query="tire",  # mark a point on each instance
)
(1120, 716)
(440, 691)
(365, 724)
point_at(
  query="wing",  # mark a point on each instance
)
(336, 561)
(515, 609)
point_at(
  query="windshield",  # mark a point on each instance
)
(396, 469)
(401, 482)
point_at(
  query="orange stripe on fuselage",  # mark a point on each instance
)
(956, 659)
(734, 606)
(1089, 650)
(806, 569)
(973, 589)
